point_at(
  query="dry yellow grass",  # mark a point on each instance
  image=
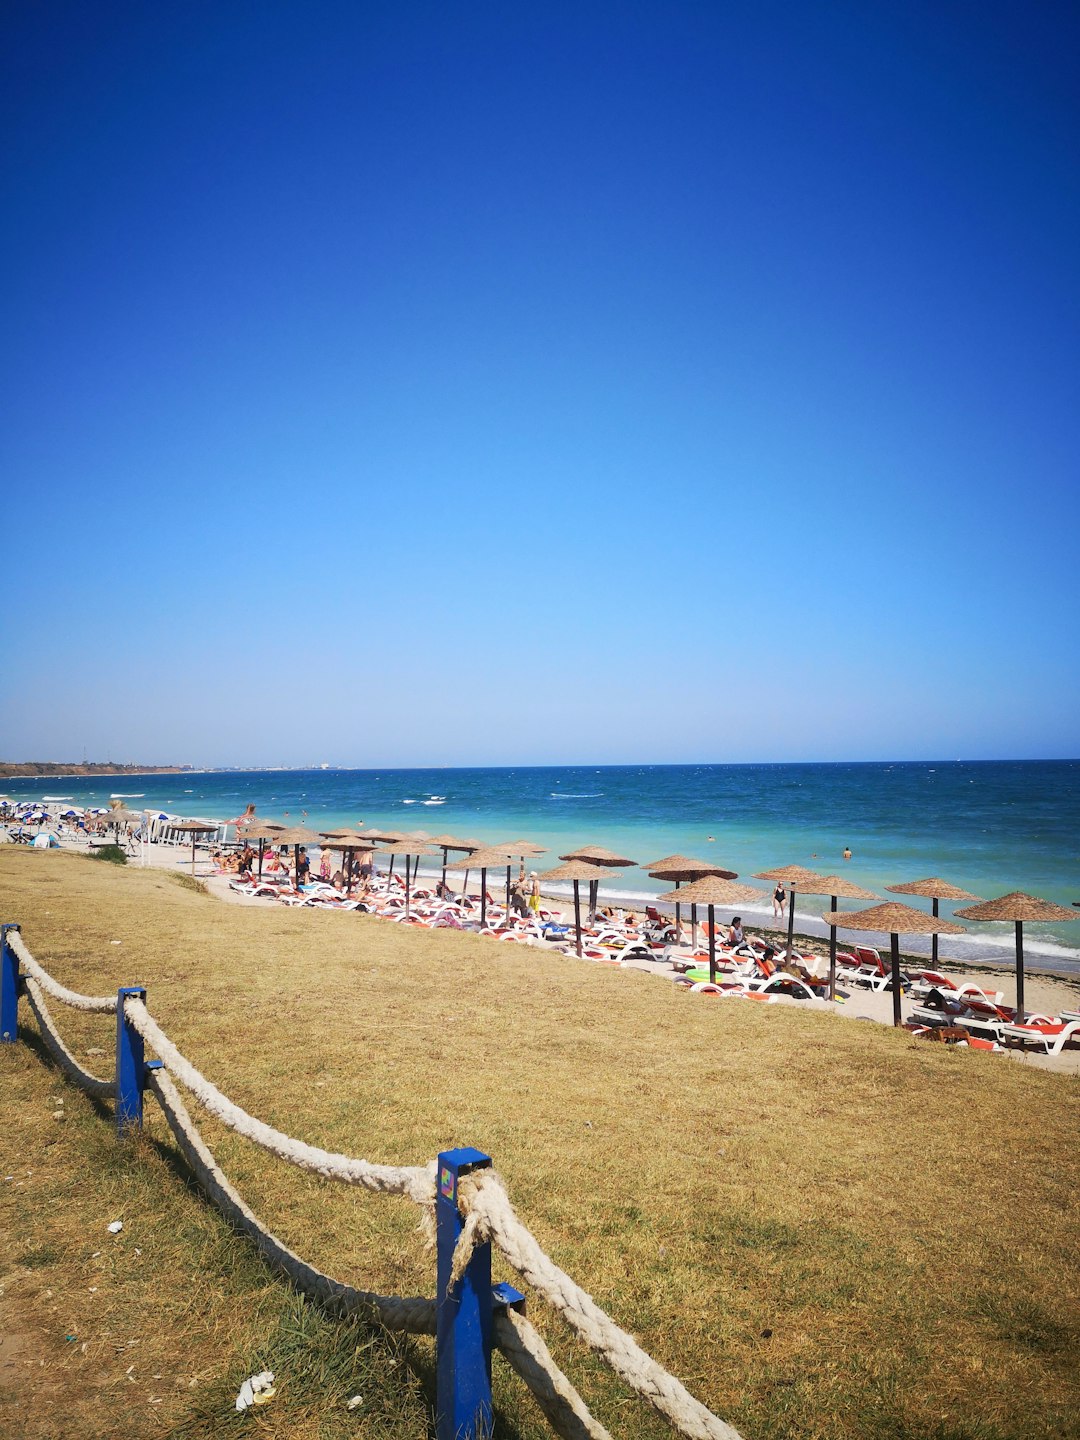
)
(823, 1228)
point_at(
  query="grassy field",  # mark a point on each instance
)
(822, 1227)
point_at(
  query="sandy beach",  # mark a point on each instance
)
(1045, 992)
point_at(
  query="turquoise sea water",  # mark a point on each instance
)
(989, 826)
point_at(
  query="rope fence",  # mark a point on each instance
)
(459, 1195)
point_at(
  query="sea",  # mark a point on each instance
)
(987, 826)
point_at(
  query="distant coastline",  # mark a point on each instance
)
(10, 769)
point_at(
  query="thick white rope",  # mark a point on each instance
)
(482, 1193)
(415, 1315)
(59, 1051)
(101, 1004)
(523, 1348)
(561, 1404)
(416, 1182)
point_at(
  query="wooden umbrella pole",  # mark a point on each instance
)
(508, 889)
(894, 941)
(577, 916)
(693, 927)
(483, 896)
(933, 938)
(678, 920)
(408, 893)
(791, 921)
(262, 847)
(712, 945)
(1019, 972)
(445, 854)
(193, 854)
(832, 951)
(346, 860)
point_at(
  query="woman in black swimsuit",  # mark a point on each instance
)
(779, 897)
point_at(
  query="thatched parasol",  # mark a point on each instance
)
(453, 842)
(684, 867)
(935, 889)
(897, 920)
(576, 870)
(193, 828)
(295, 835)
(348, 842)
(597, 855)
(837, 888)
(410, 845)
(1018, 907)
(713, 890)
(795, 877)
(524, 850)
(485, 858)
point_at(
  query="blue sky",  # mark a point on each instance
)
(422, 384)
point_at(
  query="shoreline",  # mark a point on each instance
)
(1046, 990)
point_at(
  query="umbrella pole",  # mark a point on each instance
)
(296, 866)
(791, 921)
(262, 846)
(693, 927)
(483, 896)
(678, 921)
(193, 854)
(508, 890)
(408, 896)
(712, 946)
(577, 916)
(894, 941)
(445, 853)
(465, 887)
(832, 952)
(1019, 972)
(933, 938)
(347, 858)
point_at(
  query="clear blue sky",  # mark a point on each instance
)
(409, 384)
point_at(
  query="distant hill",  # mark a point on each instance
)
(11, 768)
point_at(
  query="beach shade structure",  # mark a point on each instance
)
(295, 835)
(577, 871)
(488, 857)
(837, 888)
(262, 830)
(193, 828)
(934, 889)
(1018, 907)
(446, 843)
(519, 850)
(713, 890)
(795, 877)
(678, 868)
(597, 855)
(894, 920)
(408, 847)
(347, 841)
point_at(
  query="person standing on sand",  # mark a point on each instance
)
(534, 893)
(779, 899)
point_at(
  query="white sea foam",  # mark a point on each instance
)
(561, 795)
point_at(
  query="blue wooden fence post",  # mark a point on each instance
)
(9, 988)
(462, 1315)
(130, 1070)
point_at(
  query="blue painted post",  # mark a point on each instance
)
(9, 988)
(462, 1315)
(130, 1070)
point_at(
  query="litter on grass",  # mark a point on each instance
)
(256, 1390)
(354, 1402)
(116, 1227)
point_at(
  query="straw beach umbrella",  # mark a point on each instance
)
(597, 855)
(193, 828)
(520, 850)
(1018, 907)
(837, 888)
(488, 857)
(407, 847)
(713, 890)
(934, 889)
(576, 870)
(452, 842)
(348, 842)
(895, 920)
(680, 868)
(683, 867)
(296, 836)
(253, 828)
(795, 877)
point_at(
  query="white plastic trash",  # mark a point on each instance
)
(256, 1390)
(116, 1227)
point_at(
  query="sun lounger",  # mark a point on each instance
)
(1051, 1035)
